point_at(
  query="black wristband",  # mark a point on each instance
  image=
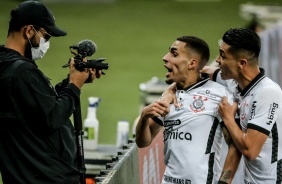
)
(222, 182)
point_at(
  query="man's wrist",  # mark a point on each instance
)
(228, 121)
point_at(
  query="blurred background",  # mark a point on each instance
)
(133, 36)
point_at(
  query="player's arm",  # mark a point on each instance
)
(210, 70)
(232, 159)
(249, 143)
(147, 128)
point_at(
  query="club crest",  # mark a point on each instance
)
(198, 104)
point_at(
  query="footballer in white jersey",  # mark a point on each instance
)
(193, 135)
(260, 109)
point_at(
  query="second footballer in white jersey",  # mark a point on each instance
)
(193, 135)
(260, 109)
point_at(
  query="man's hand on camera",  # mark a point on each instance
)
(76, 77)
(93, 74)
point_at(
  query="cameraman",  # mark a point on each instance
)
(37, 139)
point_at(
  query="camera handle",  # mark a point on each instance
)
(79, 142)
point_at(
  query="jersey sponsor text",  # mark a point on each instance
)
(177, 135)
(272, 109)
(176, 180)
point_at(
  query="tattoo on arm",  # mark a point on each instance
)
(222, 182)
(226, 175)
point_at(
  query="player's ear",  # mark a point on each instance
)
(242, 63)
(193, 64)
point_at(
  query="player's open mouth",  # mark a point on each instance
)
(169, 71)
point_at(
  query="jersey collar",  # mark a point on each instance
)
(205, 78)
(253, 83)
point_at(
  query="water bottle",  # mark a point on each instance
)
(91, 125)
(122, 133)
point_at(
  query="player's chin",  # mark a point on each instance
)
(224, 77)
(169, 81)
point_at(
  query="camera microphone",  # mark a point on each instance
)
(85, 47)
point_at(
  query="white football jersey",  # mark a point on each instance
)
(193, 136)
(260, 109)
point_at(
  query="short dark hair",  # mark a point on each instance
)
(242, 39)
(197, 45)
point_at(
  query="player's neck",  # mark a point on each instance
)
(191, 79)
(246, 76)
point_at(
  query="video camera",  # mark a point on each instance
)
(83, 49)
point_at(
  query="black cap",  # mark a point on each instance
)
(35, 13)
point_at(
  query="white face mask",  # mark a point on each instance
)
(38, 52)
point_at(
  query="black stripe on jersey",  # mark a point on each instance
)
(258, 128)
(274, 132)
(215, 74)
(205, 78)
(157, 120)
(211, 136)
(198, 84)
(222, 124)
(253, 83)
(237, 120)
(210, 170)
(279, 172)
